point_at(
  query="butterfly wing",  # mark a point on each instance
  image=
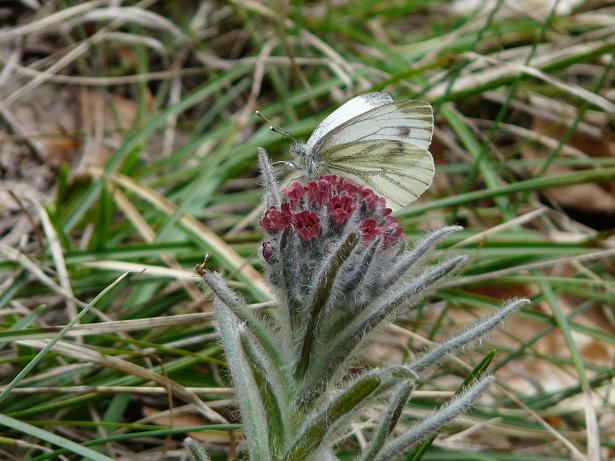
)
(384, 148)
(405, 121)
(396, 170)
(356, 106)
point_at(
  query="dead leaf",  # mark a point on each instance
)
(105, 118)
(588, 197)
(180, 420)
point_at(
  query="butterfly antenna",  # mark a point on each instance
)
(275, 129)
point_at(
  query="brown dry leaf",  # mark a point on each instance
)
(52, 118)
(529, 374)
(590, 197)
(47, 118)
(105, 117)
(184, 420)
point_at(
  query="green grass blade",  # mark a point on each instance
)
(68, 446)
(41, 354)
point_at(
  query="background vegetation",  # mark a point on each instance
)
(128, 143)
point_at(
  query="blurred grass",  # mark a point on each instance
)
(180, 181)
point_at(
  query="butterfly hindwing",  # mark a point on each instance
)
(397, 170)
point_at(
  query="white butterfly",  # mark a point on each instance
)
(376, 142)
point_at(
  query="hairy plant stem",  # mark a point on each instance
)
(321, 296)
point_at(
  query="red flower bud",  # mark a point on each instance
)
(330, 178)
(268, 252)
(369, 198)
(348, 186)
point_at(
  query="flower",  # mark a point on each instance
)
(324, 207)
(338, 271)
(340, 208)
(319, 191)
(276, 220)
(307, 225)
(370, 229)
(295, 193)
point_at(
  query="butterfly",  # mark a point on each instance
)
(376, 142)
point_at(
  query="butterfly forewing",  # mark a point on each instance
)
(397, 170)
(347, 111)
(405, 121)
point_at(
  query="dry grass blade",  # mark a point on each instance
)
(574, 90)
(33, 268)
(484, 78)
(131, 14)
(42, 25)
(132, 325)
(518, 221)
(469, 280)
(57, 254)
(574, 451)
(88, 355)
(109, 81)
(220, 247)
(591, 421)
(154, 390)
(147, 269)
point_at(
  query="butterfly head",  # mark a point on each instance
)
(297, 149)
(305, 158)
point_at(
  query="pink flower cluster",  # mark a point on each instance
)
(336, 198)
